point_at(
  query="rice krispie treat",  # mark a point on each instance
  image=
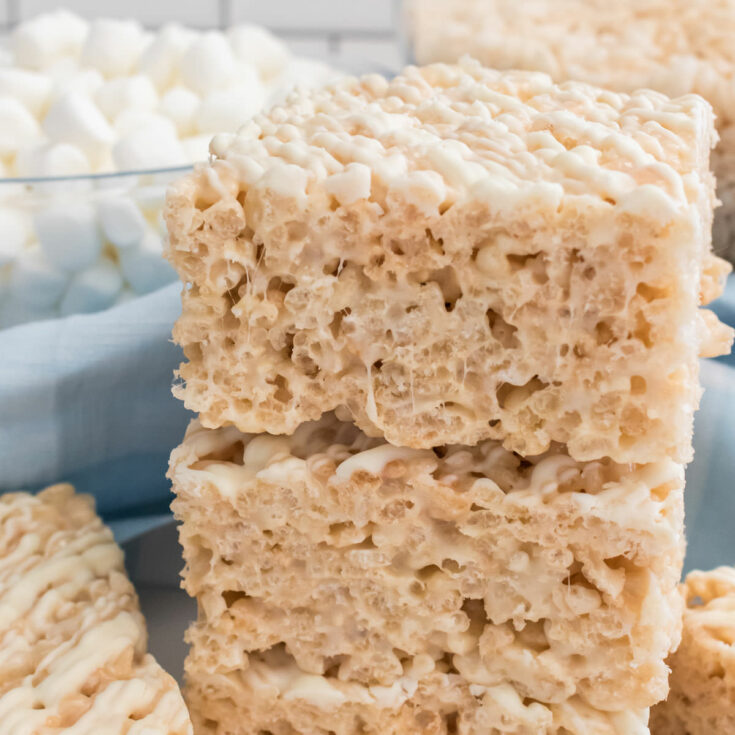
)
(72, 639)
(342, 580)
(275, 693)
(455, 255)
(673, 46)
(702, 696)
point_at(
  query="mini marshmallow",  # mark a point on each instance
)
(15, 231)
(226, 111)
(350, 185)
(197, 147)
(161, 58)
(179, 105)
(144, 267)
(104, 163)
(17, 126)
(62, 68)
(258, 47)
(75, 119)
(35, 281)
(39, 42)
(113, 46)
(69, 235)
(69, 78)
(52, 159)
(126, 93)
(148, 148)
(131, 121)
(11, 192)
(208, 64)
(125, 295)
(122, 222)
(93, 289)
(163, 179)
(150, 198)
(29, 87)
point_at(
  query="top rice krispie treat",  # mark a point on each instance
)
(673, 46)
(454, 255)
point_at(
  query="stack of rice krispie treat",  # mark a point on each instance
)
(72, 640)
(673, 46)
(442, 335)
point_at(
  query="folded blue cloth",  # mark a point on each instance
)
(710, 490)
(87, 399)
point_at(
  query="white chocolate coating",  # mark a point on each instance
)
(72, 640)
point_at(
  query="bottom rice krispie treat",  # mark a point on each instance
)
(346, 585)
(274, 696)
(702, 696)
(72, 639)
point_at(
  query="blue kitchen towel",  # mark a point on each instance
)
(724, 307)
(87, 399)
(710, 489)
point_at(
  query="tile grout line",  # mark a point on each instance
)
(221, 14)
(12, 10)
(224, 12)
(401, 32)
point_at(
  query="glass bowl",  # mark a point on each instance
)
(81, 244)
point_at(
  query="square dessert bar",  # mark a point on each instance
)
(347, 585)
(702, 696)
(673, 46)
(274, 697)
(72, 639)
(455, 255)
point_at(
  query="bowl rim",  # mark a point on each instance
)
(99, 176)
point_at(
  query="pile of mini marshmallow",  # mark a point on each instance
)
(80, 98)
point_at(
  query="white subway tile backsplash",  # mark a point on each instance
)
(362, 56)
(353, 56)
(359, 36)
(198, 13)
(314, 48)
(333, 15)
